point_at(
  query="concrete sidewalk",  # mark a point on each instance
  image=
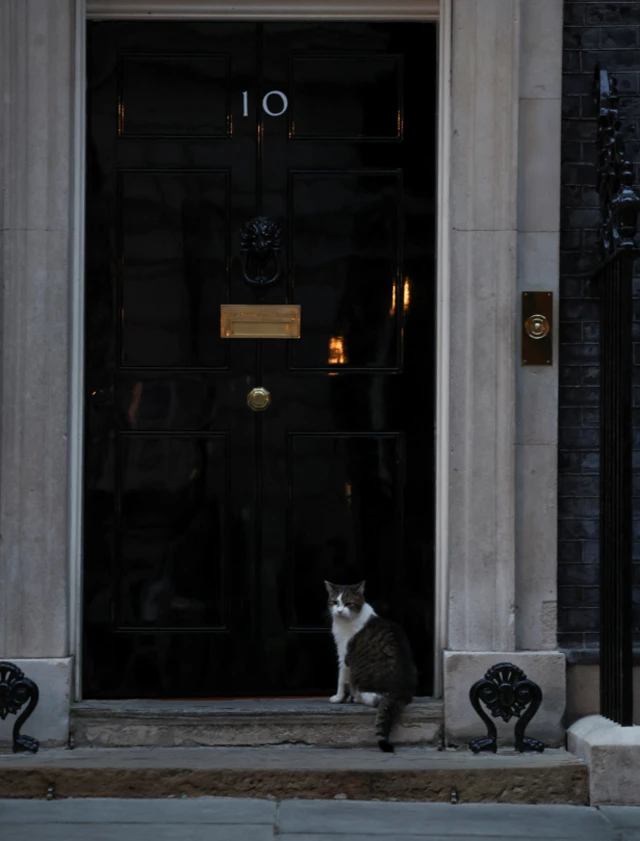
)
(235, 819)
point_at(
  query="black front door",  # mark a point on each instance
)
(209, 527)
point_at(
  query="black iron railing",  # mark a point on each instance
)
(616, 626)
(620, 207)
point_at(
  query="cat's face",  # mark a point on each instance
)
(345, 600)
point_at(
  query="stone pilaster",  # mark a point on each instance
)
(506, 63)
(538, 270)
(36, 80)
(484, 168)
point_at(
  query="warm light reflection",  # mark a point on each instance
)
(406, 297)
(347, 490)
(120, 117)
(337, 352)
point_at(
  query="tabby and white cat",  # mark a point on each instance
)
(374, 658)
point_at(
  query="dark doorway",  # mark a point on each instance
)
(209, 527)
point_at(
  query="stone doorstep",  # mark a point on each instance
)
(294, 771)
(245, 722)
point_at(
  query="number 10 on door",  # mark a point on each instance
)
(266, 107)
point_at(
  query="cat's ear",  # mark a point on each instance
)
(331, 588)
(360, 588)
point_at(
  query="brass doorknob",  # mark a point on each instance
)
(258, 399)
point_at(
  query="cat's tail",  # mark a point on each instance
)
(389, 708)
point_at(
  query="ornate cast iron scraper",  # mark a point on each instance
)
(507, 693)
(16, 690)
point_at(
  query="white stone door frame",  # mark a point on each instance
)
(498, 195)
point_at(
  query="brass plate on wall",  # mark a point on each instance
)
(260, 321)
(537, 332)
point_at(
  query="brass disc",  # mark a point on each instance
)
(258, 399)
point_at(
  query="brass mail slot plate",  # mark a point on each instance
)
(261, 321)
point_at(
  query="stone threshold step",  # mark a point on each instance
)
(411, 774)
(249, 722)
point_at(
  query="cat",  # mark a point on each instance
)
(374, 658)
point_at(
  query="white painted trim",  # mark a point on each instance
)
(248, 10)
(76, 362)
(443, 307)
(264, 9)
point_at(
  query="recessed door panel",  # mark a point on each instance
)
(175, 247)
(346, 97)
(346, 230)
(345, 515)
(168, 95)
(172, 527)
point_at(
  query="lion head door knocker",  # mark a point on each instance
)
(507, 693)
(260, 251)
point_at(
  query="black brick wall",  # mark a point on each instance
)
(608, 33)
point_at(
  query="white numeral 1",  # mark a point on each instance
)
(245, 103)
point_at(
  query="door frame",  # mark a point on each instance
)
(362, 10)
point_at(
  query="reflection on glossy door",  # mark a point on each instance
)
(210, 525)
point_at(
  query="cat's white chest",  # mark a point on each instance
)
(342, 633)
(344, 630)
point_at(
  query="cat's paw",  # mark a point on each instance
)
(336, 699)
(370, 699)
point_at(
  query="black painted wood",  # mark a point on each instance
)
(209, 529)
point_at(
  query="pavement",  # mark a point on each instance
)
(236, 819)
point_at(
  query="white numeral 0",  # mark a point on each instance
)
(285, 103)
(265, 103)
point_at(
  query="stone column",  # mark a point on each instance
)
(505, 146)
(36, 131)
